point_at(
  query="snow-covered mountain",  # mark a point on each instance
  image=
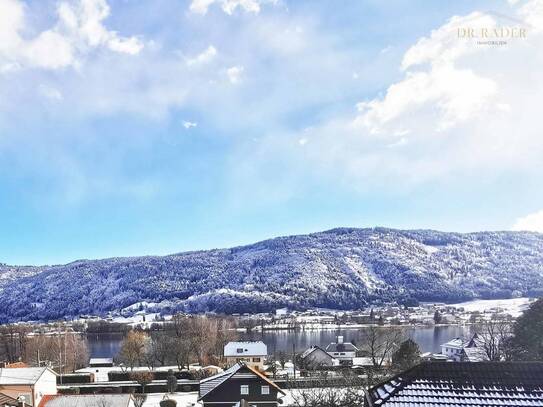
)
(341, 268)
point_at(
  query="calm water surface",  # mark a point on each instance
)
(429, 339)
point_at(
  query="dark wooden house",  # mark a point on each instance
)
(239, 385)
(462, 384)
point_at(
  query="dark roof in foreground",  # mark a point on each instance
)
(211, 383)
(462, 384)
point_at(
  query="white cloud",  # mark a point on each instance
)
(532, 222)
(228, 6)
(50, 93)
(187, 124)
(79, 29)
(303, 141)
(207, 55)
(234, 74)
(466, 108)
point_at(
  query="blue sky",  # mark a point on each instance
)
(153, 127)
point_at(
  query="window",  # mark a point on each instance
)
(244, 389)
(239, 350)
(256, 360)
(265, 389)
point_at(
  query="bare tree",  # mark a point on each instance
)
(13, 340)
(160, 347)
(282, 358)
(133, 349)
(139, 399)
(206, 335)
(492, 337)
(380, 343)
(345, 390)
(65, 352)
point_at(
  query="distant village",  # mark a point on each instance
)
(185, 360)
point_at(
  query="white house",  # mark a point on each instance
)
(345, 352)
(253, 354)
(32, 383)
(455, 348)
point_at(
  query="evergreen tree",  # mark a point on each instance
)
(437, 317)
(407, 355)
(527, 341)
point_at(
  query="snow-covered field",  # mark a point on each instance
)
(513, 306)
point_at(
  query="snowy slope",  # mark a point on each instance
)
(341, 268)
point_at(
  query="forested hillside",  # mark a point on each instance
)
(341, 268)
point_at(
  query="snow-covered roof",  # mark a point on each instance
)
(456, 343)
(24, 375)
(312, 349)
(362, 361)
(474, 354)
(100, 361)
(90, 400)
(257, 348)
(341, 347)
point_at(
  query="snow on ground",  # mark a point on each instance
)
(513, 306)
(188, 399)
(101, 373)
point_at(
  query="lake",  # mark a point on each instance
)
(429, 339)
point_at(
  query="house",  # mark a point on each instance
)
(454, 348)
(462, 384)
(89, 400)
(7, 401)
(316, 357)
(474, 354)
(251, 353)
(240, 384)
(101, 362)
(32, 383)
(342, 351)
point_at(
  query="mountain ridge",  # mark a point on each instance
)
(339, 268)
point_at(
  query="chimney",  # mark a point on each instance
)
(340, 339)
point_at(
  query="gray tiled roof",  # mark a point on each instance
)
(463, 384)
(210, 383)
(341, 347)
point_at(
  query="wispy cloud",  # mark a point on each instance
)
(228, 6)
(205, 56)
